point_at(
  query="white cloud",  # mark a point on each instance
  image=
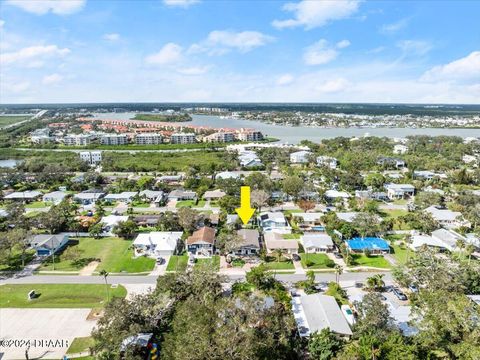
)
(333, 86)
(52, 79)
(312, 14)
(285, 79)
(200, 70)
(466, 69)
(111, 37)
(415, 47)
(33, 56)
(394, 27)
(180, 3)
(41, 7)
(343, 44)
(222, 41)
(2, 23)
(168, 54)
(15, 87)
(322, 53)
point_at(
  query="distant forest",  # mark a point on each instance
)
(357, 108)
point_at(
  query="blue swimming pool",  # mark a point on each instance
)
(318, 228)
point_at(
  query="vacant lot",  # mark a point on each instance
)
(177, 263)
(373, 261)
(114, 254)
(214, 261)
(58, 295)
(6, 120)
(317, 261)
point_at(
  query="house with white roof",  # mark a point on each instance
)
(327, 161)
(274, 241)
(300, 157)
(399, 191)
(316, 312)
(214, 195)
(156, 243)
(55, 197)
(441, 239)
(125, 197)
(308, 219)
(25, 196)
(227, 175)
(400, 149)
(88, 197)
(110, 221)
(446, 217)
(249, 158)
(317, 243)
(335, 194)
(274, 221)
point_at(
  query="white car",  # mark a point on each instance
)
(348, 314)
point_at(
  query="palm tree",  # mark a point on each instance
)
(469, 249)
(104, 273)
(460, 244)
(338, 272)
(375, 282)
(279, 254)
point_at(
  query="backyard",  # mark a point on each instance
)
(58, 295)
(115, 256)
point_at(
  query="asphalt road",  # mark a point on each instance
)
(132, 279)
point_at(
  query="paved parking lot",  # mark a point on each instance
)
(57, 326)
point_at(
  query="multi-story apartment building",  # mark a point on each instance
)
(91, 157)
(182, 138)
(220, 137)
(249, 135)
(114, 139)
(78, 139)
(148, 139)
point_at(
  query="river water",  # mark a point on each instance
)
(295, 134)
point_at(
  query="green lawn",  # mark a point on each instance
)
(292, 236)
(214, 261)
(140, 204)
(58, 295)
(400, 253)
(80, 344)
(114, 254)
(6, 120)
(283, 264)
(316, 261)
(373, 261)
(37, 205)
(190, 203)
(177, 263)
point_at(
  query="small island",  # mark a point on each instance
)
(163, 117)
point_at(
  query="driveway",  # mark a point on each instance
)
(57, 326)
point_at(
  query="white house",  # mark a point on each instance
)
(110, 221)
(54, 197)
(316, 312)
(335, 194)
(275, 241)
(318, 242)
(441, 239)
(274, 221)
(26, 196)
(446, 217)
(300, 157)
(327, 161)
(400, 149)
(156, 243)
(399, 191)
(125, 197)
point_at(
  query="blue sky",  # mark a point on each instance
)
(241, 51)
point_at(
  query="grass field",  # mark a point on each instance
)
(373, 261)
(6, 120)
(190, 203)
(114, 254)
(57, 295)
(80, 344)
(316, 261)
(37, 205)
(177, 263)
(283, 264)
(214, 261)
(400, 253)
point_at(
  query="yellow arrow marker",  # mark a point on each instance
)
(245, 211)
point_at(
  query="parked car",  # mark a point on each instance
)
(358, 284)
(337, 255)
(296, 257)
(399, 294)
(348, 314)
(413, 288)
(160, 260)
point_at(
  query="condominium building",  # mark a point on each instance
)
(91, 157)
(249, 135)
(78, 139)
(182, 138)
(148, 139)
(220, 137)
(114, 139)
